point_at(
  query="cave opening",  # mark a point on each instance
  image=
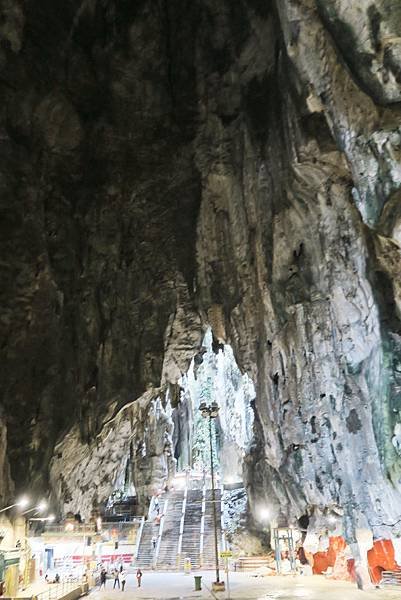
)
(214, 377)
(172, 445)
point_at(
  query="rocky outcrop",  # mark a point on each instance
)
(214, 376)
(138, 437)
(99, 199)
(165, 166)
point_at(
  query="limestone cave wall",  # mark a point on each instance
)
(171, 164)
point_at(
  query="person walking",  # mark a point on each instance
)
(123, 577)
(102, 579)
(116, 579)
(139, 577)
(154, 541)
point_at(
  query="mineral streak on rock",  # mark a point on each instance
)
(167, 164)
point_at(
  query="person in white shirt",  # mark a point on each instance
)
(123, 579)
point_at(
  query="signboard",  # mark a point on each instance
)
(226, 554)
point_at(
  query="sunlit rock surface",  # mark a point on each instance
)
(214, 376)
(169, 165)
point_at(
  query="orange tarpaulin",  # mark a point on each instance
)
(381, 558)
(323, 560)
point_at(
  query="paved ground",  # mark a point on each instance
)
(48, 591)
(176, 586)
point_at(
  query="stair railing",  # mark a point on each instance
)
(138, 538)
(223, 532)
(151, 507)
(202, 527)
(159, 537)
(184, 506)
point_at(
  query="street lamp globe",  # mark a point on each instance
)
(214, 410)
(264, 514)
(204, 409)
(42, 506)
(23, 502)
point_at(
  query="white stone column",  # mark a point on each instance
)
(364, 542)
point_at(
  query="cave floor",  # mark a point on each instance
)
(176, 586)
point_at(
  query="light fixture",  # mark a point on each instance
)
(41, 506)
(23, 502)
(204, 409)
(38, 508)
(264, 513)
(214, 410)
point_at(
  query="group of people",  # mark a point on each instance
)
(120, 577)
(56, 578)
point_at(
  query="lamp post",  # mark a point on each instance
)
(211, 412)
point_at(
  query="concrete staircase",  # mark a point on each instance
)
(146, 553)
(186, 531)
(167, 556)
(252, 563)
(191, 535)
(208, 556)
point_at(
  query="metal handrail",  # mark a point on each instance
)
(77, 528)
(202, 529)
(222, 524)
(138, 538)
(90, 528)
(184, 504)
(159, 537)
(57, 590)
(151, 504)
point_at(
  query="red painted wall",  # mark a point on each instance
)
(323, 560)
(381, 558)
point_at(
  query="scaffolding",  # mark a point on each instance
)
(284, 543)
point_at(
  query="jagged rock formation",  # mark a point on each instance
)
(82, 474)
(214, 377)
(168, 164)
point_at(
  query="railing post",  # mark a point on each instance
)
(184, 505)
(223, 536)
(160, 533)
(138, 538)
(151, 503)
(202, 528)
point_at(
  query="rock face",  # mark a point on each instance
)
(84, 474)
(214, 377)
(166, 165)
